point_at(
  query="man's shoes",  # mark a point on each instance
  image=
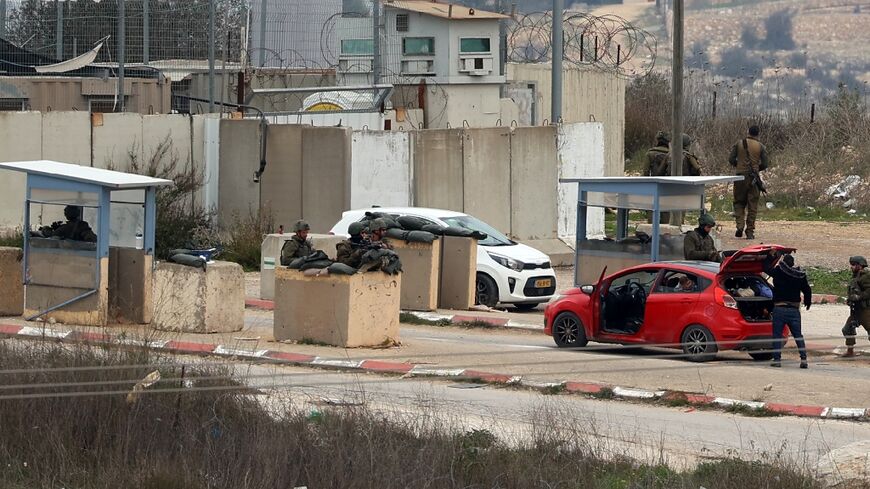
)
(804, 364)
(776, 363)
(750, 235)
(739, 233)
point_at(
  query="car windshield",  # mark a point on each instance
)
(493, 236)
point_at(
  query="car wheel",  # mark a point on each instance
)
(525, 306)
(487, 291)
(761, 356)
(698, 344)
(568, 331)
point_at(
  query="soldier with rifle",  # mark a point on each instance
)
(858, 299)
(749, 158)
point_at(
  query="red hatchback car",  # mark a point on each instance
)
(700, 307)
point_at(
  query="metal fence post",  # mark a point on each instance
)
(376, 44)
(211, 40)
(556, 110)
(58, 48)
(263, 6)
(146, 31)
(122, 46)
(2, 18)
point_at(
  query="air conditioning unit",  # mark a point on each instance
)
(476, 65)
(418, 67)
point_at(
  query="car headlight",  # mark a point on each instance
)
(504, 261)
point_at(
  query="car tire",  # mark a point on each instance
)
(698, 343)
(486, 291)
(568, 331)
(526, 306)
(761, 355)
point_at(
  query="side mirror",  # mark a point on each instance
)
(587, 289)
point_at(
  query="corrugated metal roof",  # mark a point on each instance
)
(85, 174)
(450, 11)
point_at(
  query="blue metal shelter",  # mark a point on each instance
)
(97, 191)
(655, 194)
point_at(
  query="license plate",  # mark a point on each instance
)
(543, 283)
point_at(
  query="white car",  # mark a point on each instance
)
(507, 272)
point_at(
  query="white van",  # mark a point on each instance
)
(507, 272)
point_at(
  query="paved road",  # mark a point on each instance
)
(683, 436)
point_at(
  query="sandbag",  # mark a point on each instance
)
(315, 272)
(179, 251)
(434, 229)
(296, 263)
(188, 260)
(419, 237)
(412, 223)
(381, 259)
(308, 265)
(396, 233)
(341, 269)
(389, 220)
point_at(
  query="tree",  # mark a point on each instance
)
(779, 35)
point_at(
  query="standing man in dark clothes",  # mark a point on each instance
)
(789, 282)
(748, 157)
(858, 298)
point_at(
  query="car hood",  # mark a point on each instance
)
(519, 251)
(750, 259)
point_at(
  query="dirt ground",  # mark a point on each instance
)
(819, 244)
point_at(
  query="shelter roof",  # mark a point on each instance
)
(452, 11)
(690, 181)
(85, 174)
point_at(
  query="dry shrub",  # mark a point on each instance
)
(244, 237)
(54, 436)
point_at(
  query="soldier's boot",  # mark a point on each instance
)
(739, 233)
(750, 235)
(850, 352)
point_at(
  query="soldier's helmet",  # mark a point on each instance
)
(301, 225)
(858, 260)
(377, 224)
(72, 212)
(356, 228)
(687, 141)
(706, 220)
(662, 138)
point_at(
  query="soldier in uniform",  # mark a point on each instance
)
(691, 165)
(74, 228)
(378, 229)
(698, 244)
(350, 251)
(298, 245)
(858, 299)
(747, 154)
(657, 156)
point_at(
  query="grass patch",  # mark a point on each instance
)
(312, 342)
(604, 393)
(825, 281)
(476, 324)
(223, 439)
(408, 318)
(14, 239)
(552, 390)
(744, 410)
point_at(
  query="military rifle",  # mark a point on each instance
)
(754, 175)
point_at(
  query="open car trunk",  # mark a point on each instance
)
(753, 294)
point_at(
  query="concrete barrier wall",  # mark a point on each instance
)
(281, 184)
(380, 169)
(326, 175)
(172, 130)
(580, 156)
(239, 159)
(438, 174)
(486, 164)
(66, 137)
(534, 181)
(20, 139)
(117, 139)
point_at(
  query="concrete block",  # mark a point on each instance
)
(281, 186)
(458, 272)
(421, 269)
(194, 300)
(117, 137)
(66, 137)
(20, 140)
(381, 169)
(326, 164)
(239, 159)
(340, 310)
(270, 257)
(486, 167)
(58, 277)
(534, 183)
(11, 283)
(581, 154)
(438, 175)
(130, 286)
(561, 254)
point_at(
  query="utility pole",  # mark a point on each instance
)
(677, 87)
(211, 40)
(146, 32)
(58, 48)
(122, 47)
(376, 44)
(263, 5)
(557, 41)
(3, 18)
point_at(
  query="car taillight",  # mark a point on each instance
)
(725, 299)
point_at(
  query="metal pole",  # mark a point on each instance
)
(376, 44)
(211, 36)
(556, 110)
(122, 46)
(677, 86)
(263, 6)
(146, 31)
(58, 48)
(3, 18)
(502, 44)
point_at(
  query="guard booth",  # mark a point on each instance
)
(88, 243)
(652, 194)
